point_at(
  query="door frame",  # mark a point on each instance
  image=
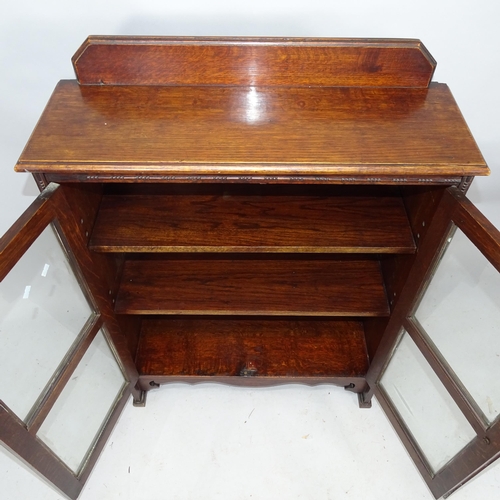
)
(453, 210)
(51, 207)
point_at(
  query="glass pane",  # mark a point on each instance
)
(81, 410)
(438, 426)
(460, 312)
(42, 311)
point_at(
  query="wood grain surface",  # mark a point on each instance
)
(228, 218)
(253, 61)
(253, 286)
(268, 347)
(377, 133)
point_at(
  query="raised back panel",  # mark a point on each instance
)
(253, 62)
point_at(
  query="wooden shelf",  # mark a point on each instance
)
(255, 219)
(283, 285)
(271, 347)
(286, 134)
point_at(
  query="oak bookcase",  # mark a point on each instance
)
(253, 211)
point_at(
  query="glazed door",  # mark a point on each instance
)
(62, 384)
(441, 385)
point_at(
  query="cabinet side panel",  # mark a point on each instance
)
(101, 272)
(420, 204)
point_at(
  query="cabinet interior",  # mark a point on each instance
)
(256, 284)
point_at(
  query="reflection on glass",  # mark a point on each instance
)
(438, 426)
(81, 410)
(42, 311)
(460, 312)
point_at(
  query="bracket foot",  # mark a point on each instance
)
(364, 403)
(141, 401)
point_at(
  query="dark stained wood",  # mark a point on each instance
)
(252, 297)
(43, 407)
(233, 347)
(477, 227)
(420, 204)
(465, 184)
(41, 181)
(26, 446)
(254, 219)
(71, 221)
(475, 457)
(286, 179)
(253, 61)
(375, 135)
(438, 209)
(481, 452)
(453, 207)
(409, 294)
(218, 111)
(83, 202)
(325, 287)
(99, 272)
(425, 257)
(374, 330)
(459, 394)
(105, 432)
(130, 326)
(351, 384)
(21, 235)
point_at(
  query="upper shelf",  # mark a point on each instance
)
(222, 218)
(105, 60)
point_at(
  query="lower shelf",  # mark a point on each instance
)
(222, 348)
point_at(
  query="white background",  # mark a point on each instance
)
(38, 38)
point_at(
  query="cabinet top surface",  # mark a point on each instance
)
(278, 128)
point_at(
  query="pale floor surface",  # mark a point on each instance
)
(219, 442)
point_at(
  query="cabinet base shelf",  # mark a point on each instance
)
(252, 351)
